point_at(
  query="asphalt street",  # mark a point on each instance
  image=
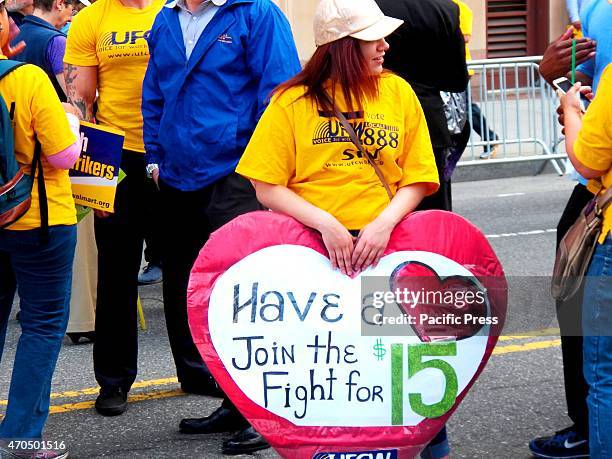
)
(520, 394)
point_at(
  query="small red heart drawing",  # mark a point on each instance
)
(447, 299)
(263, 283)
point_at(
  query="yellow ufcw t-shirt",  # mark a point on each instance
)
(298, 146)
(112, 37)
(37, 113)
(593, 148)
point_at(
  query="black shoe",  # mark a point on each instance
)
(221, 420)
(567, 443)
(111, 401)
(208, 387)
(246, 441)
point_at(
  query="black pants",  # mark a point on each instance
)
(151, 226)
(569, 314)
(187, 220)
(119, 238)
(441, 199)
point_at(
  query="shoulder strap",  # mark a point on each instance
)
(351, 132)
(42, 193)
(604, 200)
(8, 165)
(7, 67)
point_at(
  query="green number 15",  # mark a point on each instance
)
(415, 365)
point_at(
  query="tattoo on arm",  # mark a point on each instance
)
(80, 105)
(69, 74)
(74, 98)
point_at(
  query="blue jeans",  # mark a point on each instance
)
(42, 274)
(597, 327)
(438, 447)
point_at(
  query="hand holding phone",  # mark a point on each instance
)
(563, 85)
(571, 105)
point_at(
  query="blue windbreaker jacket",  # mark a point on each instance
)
(199, 114)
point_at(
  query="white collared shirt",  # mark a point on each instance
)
(194, 23)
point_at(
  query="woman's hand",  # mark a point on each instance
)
(155, 177)
(339, 243)
(570, 103)
(70, 109)
(371, 244)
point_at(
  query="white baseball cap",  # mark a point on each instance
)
(361, 19)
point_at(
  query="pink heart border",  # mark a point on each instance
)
(445, 233)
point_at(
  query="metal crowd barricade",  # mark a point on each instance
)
(517, 104)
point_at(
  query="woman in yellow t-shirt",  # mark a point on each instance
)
(33, 260)
(588, 142)
(302, 162)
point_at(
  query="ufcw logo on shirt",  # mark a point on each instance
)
(124, 38)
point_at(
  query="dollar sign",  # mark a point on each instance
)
(379, 349)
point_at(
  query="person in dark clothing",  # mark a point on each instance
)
(194, 139)
(94, 76)
(45, 44)
(480, 126)
(438, 66)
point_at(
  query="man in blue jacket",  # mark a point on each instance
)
(213, 66)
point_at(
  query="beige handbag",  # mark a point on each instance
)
(577, 247)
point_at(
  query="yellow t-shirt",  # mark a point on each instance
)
(593, 148)
(466, 24)
(36, 110)
(298, 146)
(113, 38)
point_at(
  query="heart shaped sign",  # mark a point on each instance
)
(322, 364)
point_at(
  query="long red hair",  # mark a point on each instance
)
(342, 63)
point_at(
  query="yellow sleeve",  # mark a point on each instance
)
(270, 154)
(593, 148)
(48, 117)
(81, 42)
(417, 158)
(467, 19)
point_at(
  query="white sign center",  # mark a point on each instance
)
(287, 328)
